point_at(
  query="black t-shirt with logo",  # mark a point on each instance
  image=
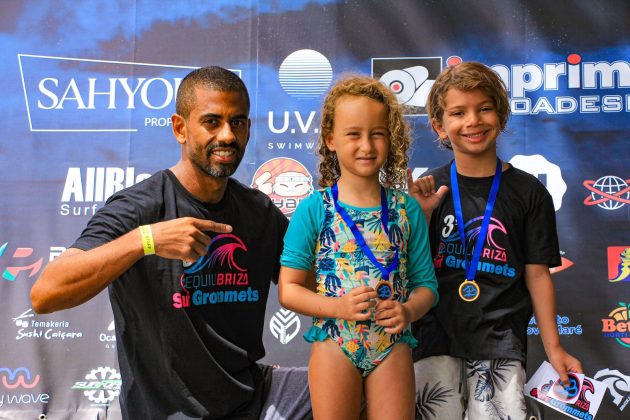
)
(522, 231)
(189, 335)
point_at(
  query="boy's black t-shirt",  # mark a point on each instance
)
(189, 335)
(522, 231)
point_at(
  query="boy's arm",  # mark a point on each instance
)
(294, 294)
(420, 301)
(396, 316)
(540, 286)
(76, 276)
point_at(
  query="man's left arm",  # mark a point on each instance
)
(541, 290)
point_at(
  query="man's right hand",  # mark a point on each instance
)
(184, 239)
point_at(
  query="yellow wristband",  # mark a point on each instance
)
(147, 240)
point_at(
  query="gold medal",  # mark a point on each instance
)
(468, 290)
(384, 290)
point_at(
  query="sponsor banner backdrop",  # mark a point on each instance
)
(88, 89)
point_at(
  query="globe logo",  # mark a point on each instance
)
(305, 74)
(608, 192)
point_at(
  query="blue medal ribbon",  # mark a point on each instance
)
(385, 271)
(471, 266)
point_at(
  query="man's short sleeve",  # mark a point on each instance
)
(119, 216)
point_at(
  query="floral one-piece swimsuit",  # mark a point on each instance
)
(341, 265)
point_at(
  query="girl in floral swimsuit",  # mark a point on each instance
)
(366, 244)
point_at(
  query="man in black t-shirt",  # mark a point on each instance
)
(188, 256)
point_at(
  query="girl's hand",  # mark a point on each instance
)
(392, 315)
(356, 304)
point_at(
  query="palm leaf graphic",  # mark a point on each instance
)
(395, 235)
(324, 249)
(489, 376)
(500, 366)
(373, 225)
(476, 367)
(484, 389)
(428, 400)
(495, 410)
(331, 328)
(332, 282)
(344, 264)
(364, 268)
(327, 237)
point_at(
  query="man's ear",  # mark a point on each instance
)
(179, 128)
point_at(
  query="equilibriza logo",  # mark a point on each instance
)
(216, 277)
(451, 251)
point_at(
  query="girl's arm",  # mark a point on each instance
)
(420, 274)
(540, 286)
(420, 301)
(296, 290)
(294, 294)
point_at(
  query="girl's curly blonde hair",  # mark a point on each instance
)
(393, 172)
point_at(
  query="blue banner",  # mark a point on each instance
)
(88, 91)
